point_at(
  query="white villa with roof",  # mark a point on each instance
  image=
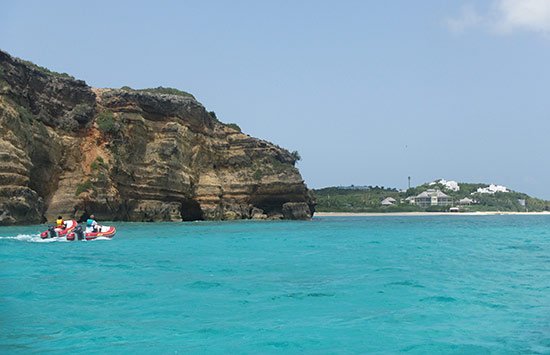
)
(466, 201)
(388, 201)
(432, 197)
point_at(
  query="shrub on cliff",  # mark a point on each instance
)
(25, 114)
(3, 83)
(169, 91)
(257, 175)
(83, 187)
(45, 71)
(234, 126)
(82, 113)
(98, 163)
(160, 90)
(106, 123)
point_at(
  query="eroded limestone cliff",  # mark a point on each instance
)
(133, 155)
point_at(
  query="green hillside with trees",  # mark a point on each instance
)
(369, 198)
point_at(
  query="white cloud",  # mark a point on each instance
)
(504, 17)
(530, 15)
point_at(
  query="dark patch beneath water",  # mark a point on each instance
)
(404, 283)
(528, 247)
(446, 348)
(443, 299)
(283, 345)
(128, 295)
(209, 331)
(203, 285)
(303, 295)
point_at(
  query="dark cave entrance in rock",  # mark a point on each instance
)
(271, 205)
(83, 217)
(191, 211)
(44, 175)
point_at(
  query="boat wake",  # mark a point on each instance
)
(32, 238)
(100, 238)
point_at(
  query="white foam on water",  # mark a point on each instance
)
(35, 238)
(99, 238)
(23, 237)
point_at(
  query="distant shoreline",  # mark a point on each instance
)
(402, 214)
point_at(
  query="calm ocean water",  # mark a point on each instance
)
(441, 284)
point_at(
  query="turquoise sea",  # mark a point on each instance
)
(421, 285)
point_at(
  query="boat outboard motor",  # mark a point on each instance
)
(79, 232)
(51, 232)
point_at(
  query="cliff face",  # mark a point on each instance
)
(68, 149)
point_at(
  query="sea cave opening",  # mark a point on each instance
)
(191, 211)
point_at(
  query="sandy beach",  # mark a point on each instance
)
(366, 214)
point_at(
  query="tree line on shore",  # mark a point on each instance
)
(369, 198)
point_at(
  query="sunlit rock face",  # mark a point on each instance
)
(122, 154)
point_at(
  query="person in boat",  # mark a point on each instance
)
(60, 223)
(91, 224)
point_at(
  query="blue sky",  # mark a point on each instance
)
(369, 92)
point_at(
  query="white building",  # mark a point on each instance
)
(492, 189)
(448, 184)
(388, 201)
(433, 198)
(465, 201)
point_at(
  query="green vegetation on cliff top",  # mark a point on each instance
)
(369, 198)
(161, 90)
(45, 71)
(234, 126)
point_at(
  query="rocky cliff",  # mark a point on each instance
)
(135, 155)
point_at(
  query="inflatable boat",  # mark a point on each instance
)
(54, 232)
(103, 232)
